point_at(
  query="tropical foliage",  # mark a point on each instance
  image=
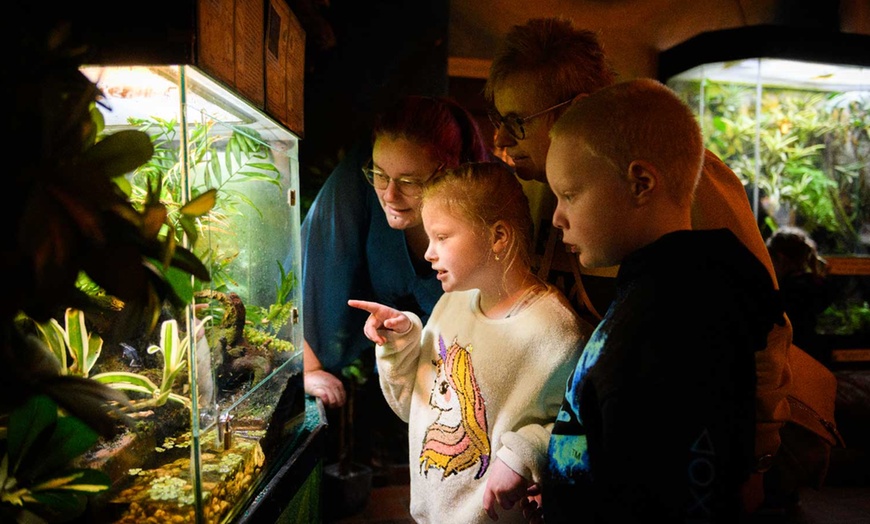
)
(38, 482)
(68, 218)
(808, 153)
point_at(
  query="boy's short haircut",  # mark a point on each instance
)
(640, 119)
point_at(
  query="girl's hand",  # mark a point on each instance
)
(382, 321)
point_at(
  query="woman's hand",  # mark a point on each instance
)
(382, 321)
(326, 386)
(320, 383)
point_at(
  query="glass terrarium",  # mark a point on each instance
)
(797, 133)
(216, 391)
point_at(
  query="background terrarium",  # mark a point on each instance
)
(207, 397)
(789, 112)
(169, 312)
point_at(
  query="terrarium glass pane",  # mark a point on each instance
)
(797, 133)
(217, 389)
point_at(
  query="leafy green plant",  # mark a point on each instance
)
(72, 341)
(37, 481)
(269, 321)
(174, 362)
(811, 158)
(77, 351)
(245, 158)
(808, 155)
(70, 217)
(845, 319)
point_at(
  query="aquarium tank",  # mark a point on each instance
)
(789, 111)
(151, 361)
(217, 390)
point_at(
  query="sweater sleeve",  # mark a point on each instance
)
(397, 367)
(525, 450)
(559, 344)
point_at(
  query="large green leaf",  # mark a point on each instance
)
(52, 333)
(80, 480)
(200, 205)
(71, 437)
(26, 424)
(63, 506)
(185, 260)
(118, 153)
(180, 283)
(84, 347)
(127, 380)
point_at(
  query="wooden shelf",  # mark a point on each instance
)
(850, 355)
(848, 265)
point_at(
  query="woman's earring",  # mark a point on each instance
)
(497, 258)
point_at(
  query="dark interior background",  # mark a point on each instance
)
(361, 53)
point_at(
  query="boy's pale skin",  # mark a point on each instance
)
(398, 158)
(604, 214)
(464, 259)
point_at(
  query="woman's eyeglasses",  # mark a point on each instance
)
(406, 186)
(514, 123)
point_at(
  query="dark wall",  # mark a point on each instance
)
(361, 54)
(824, 14)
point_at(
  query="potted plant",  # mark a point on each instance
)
(347, 482)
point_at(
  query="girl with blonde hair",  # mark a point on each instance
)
(481, 383)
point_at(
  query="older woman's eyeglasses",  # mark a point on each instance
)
(407, 186)
(514, 123)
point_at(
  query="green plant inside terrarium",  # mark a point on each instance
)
(800, 143)
(808, 153)
(221, 161)
(243, 157)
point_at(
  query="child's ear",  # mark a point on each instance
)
(500, 237)
(642, 180)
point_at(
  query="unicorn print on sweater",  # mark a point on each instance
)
(457, 439)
